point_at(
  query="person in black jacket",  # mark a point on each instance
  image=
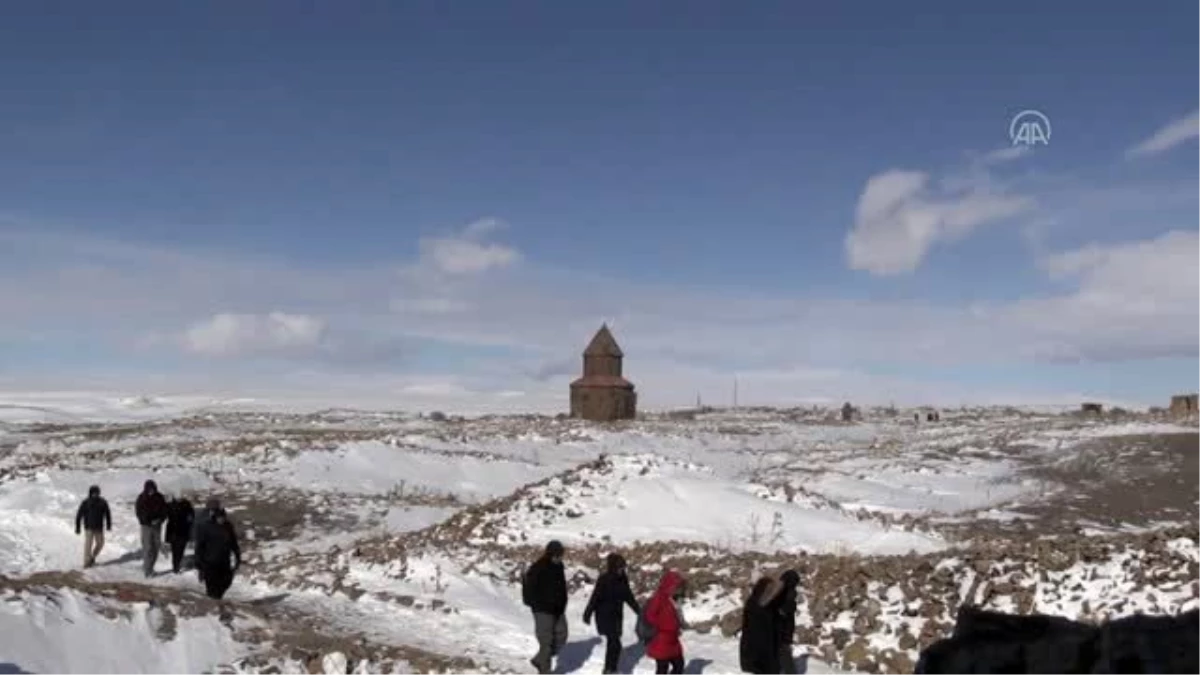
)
(216, 542)
(608, 601)
(180, 517)
(785, 613)
(756, 648)
(95, 517)
(544, 591)
(151, 511)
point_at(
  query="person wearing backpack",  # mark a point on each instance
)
(663, 615)
(544, 591)
(607, 604)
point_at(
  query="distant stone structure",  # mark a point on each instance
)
(1183, 405)
(1091, 408)
(603, 394)
(847, 412)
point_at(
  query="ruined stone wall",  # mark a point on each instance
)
(603, 404)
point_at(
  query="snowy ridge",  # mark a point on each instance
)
(384, 541)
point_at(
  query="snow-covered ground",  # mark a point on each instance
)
(392, 540)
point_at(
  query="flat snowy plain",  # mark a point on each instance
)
(390, 541)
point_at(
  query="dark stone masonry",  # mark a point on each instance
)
(602, 394)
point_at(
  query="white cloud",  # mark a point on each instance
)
(1132, 299)
(900, 217)
(1001, 155)
(679, 341)
(1174, 133)
(465, 254)
(242, 334)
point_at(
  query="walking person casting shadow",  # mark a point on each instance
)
(609, 599)
(151, 511)
(216, 544)
(180, 520)
(95, 518)
(665, 620)
(544, 591)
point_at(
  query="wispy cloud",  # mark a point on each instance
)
(1171, 135)
(241, 334)
(901, 216)
(344, 331)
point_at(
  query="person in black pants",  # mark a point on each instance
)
(216, 542)
(607, 604)
(180, 517)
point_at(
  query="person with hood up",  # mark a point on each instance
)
(180, 518)
(94, 516)
(216, 543)
(544, 591)
(769, 625)
(786, 616)
(664, 616)
(607, 604)
(151, 511)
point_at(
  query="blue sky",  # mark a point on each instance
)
(407, 197)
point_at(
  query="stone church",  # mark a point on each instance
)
(602, 394)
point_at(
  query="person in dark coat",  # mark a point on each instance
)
(607, 604)
(151, 511)
(769, 625)
(94, 516)
(785, 622)
(180, 519)
(216, 543)
(544, 591)
(757, 651)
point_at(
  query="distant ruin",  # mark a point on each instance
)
(1183, 405)
(1092, 408)
(603, 394)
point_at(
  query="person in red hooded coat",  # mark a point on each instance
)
(663, 614)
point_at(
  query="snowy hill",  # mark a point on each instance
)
(388, 542)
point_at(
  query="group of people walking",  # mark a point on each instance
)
(768, 617)
(217, 553)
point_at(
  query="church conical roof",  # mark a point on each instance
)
(603, 344)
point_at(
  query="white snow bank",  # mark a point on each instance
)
(944, 488)
(37, 516)
(647, 498)
(400, 519)
(79, 407)
(63, 633)
(371, 467)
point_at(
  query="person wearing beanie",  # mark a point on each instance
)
(151, 511)
(609, 599)
(216, 547)
(544, 591)
(94, 516)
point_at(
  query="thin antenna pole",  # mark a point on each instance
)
(735, 383)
